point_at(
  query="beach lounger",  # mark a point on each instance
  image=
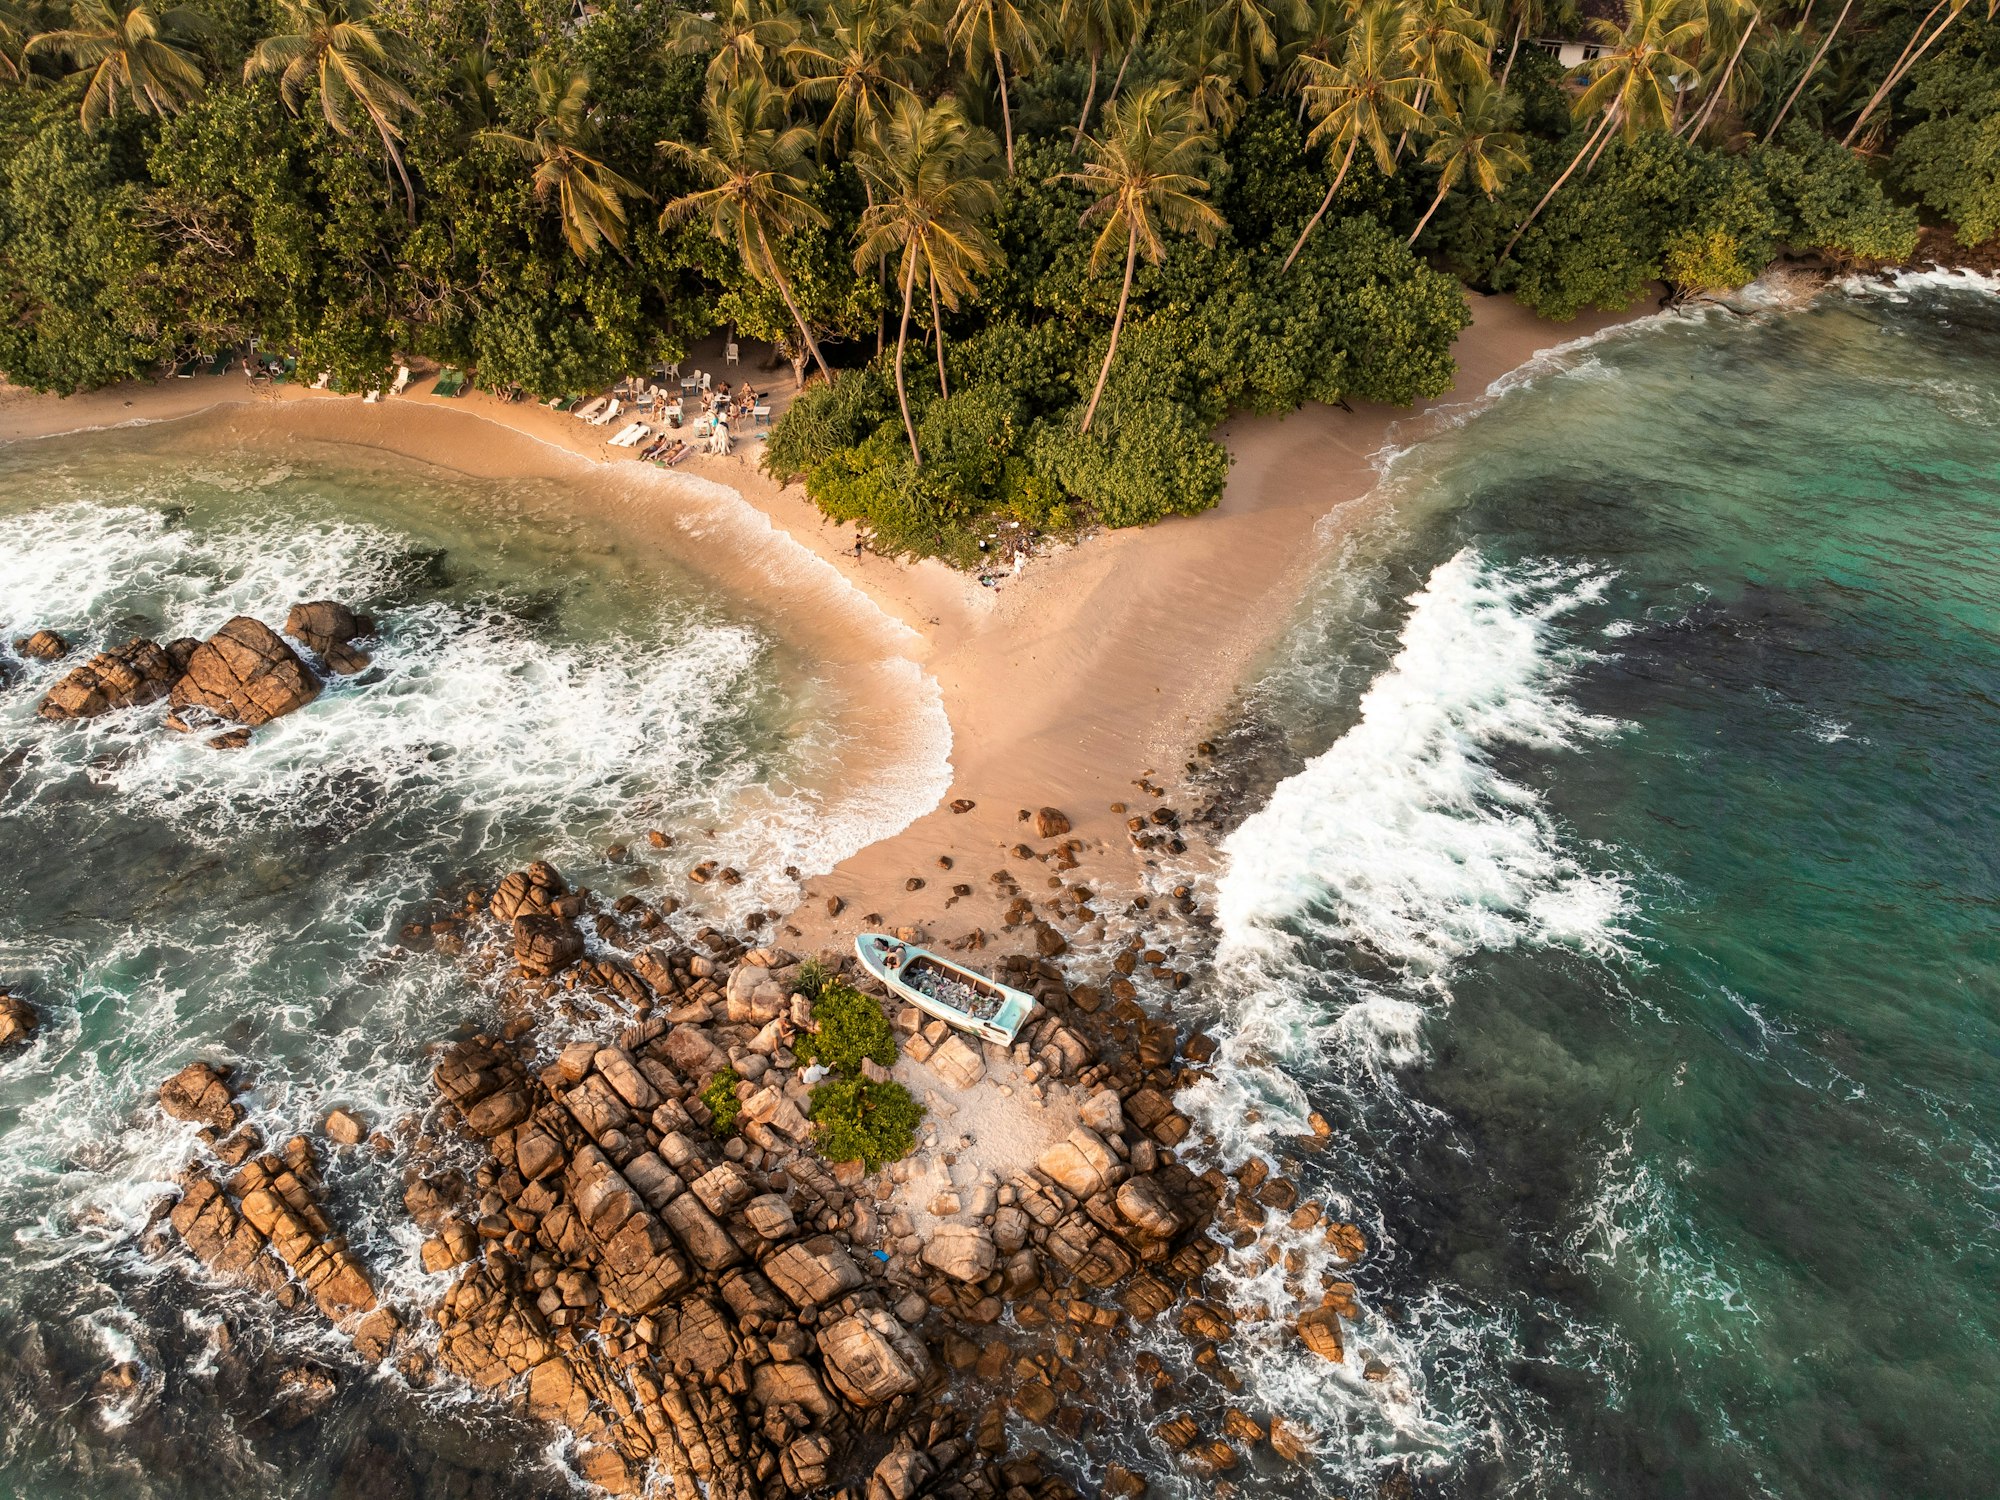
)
(401, 382)
(218, 365)
(609, 415)
(684, 450)
(449, 383)
(589, 410)
(371, 398)
(325, 380)
(185, 369)
(629, 437)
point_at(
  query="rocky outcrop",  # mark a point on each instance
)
(18, 1021)
(138, 672)
(873, 1358)
(245, 672)
(201, 1092)
(327, 629)
(42, 645)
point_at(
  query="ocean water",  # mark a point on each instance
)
(541, 685)
(1626, 893)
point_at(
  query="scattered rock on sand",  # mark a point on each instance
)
(137, 672)
(43, 645)
(1050, 823)
(246, 672)
(964, 1252)
(963, 804)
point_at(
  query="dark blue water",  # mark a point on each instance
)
(1631, 907)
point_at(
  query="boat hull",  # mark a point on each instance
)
(1011, 1008)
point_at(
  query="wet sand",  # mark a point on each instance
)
(1099, 664)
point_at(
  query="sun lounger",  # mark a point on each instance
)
(371, 398)
(609, 415)
(185, 369)
(589, 410)
(401, 382)
(629, 437)
(449, 383)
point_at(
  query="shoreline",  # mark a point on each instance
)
(1095, 670)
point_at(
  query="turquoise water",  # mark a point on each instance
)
(540, 685)
(1628, 897)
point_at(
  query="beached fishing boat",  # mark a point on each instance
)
(949, 991)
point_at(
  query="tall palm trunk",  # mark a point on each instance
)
(1519, 27)
(937, 328)
(1811, 68)
(1117, 323)
(1700, 121)
(1423, 98)
(1591, 165)
(1320, 213)
(785, 291)
(1903, 65)
(1089, 98)
(395, 159)
(902, 338)
(1443, 188)
(1006, 112)
(1119, 81)
(1602, 126)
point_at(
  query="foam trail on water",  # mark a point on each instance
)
(1406, 842)
(1405, 837)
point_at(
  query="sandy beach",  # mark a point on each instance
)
(1100, 664)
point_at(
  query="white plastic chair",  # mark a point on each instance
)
(729, 354)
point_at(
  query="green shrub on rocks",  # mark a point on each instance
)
(851, 1026)
(719, 1094)
(870, 1122)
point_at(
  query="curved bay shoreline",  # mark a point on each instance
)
(1097, 668)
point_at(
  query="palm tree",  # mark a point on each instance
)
(1721, 17)
(1248, 31)
(858, 69)
(1144, 173)
(982, 30)
(1447, 45)
(1634, 88)
(132, 53)
(1812, 67)
(1365, 97)
(1098, 27)
(1322, 37)
(337, 44)
(738, 39)
(590, 196)
(19, 20)
(930, 173)
(1477, 140)
(760, 171)
(1207, 76)
(1912, 54)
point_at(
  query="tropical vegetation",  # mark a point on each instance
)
(1025, 254)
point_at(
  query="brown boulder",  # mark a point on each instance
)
(545, 944)
(246, 672)
(136, 672)
(323, 624)
(872, 1358)
(813, 1271)
(17, 1019)
(43, 645)
(963, 1252)
(200, 1093)
(1147, 1205)
(1050, 824)
(1320, 1329)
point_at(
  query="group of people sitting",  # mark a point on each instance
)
(722, 409)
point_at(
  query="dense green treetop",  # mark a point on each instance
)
(1031, 251)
